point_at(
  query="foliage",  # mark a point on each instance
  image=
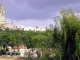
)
(66, 36)
(29, 38)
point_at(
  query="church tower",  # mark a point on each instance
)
(3, 23)
(2, 14)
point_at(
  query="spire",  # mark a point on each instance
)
(2, 12)
(1, 5)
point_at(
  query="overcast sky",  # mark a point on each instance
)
(36, 12)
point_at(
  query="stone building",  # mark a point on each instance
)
(3, 22)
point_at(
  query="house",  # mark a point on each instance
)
(22, 50)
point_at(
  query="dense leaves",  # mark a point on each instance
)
(66, 36)
(31, 39)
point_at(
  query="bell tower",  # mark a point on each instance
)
(1, 10)
(2, 14)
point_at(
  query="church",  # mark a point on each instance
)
(3, 23)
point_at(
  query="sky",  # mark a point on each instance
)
(36, 12)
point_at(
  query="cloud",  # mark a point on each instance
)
(41, 4)
(27, 12)
(36, 9)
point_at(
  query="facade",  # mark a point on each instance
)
(30, 28)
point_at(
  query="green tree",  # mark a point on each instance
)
(67, 36)
(39, 41)
(71, 24)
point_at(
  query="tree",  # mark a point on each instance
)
(66, 35)
(71, 24)
(39, 41)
